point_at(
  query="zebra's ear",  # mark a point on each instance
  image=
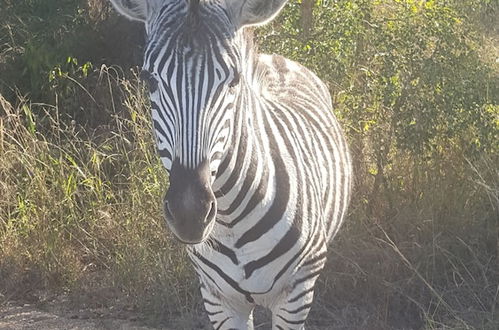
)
(137, 10)
(254, 12)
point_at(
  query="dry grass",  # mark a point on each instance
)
(78, 207)
(79, 214)
(428, 263)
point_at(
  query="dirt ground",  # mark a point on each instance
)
(59, 314)
(29, 317)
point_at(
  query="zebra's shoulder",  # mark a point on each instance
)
(283, 79)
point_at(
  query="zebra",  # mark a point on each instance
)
(259, 169)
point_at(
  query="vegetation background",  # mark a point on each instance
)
(415, 84)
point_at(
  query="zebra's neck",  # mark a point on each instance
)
(244, 185)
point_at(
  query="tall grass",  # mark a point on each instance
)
(80, 207)
(80, 213)
(422, 256)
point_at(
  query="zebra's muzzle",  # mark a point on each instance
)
(190, 206)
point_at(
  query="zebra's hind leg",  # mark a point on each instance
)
(225, 317)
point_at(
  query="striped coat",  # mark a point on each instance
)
(260, 173)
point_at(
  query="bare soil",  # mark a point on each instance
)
(33, 317)
(60, 314)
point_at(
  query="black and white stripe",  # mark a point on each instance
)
(280, 167)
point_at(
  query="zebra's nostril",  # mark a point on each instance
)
(168, 212)
(212, 212)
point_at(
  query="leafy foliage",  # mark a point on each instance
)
(37, 35)
(45, 39)
(406, 74)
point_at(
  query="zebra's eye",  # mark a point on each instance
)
(235, 80)
(150, 80)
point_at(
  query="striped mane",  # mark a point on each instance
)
(193, 17)
(193, 6)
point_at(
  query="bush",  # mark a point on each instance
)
(405, 74)
(41, 38)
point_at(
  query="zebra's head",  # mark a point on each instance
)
(195, 65)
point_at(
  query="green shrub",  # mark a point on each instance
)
(405, 74)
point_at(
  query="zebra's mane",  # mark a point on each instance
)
(250, 53)
(193, 15)
(193, 5)
(259, 71)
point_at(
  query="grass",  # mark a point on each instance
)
(431, 263)
(77, 205)
(79, 214)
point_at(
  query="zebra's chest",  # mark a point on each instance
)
(248, 271)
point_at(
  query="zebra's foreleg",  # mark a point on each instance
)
(291, 312)
(223, 316)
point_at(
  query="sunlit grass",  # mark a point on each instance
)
(76, 202)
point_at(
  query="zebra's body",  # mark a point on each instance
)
(265, 254)
(256, 135)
